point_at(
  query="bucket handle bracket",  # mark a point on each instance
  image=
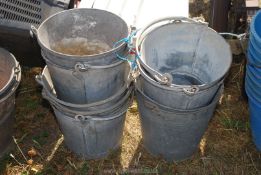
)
(82, 118)
(82, 67)
(191, 90)
(33, 31)
(165, 79)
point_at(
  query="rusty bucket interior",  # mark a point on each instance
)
(7, 66)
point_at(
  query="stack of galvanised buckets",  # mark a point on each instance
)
(253, 79)
(182, 65)
(89, 94)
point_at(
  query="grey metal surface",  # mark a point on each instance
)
(7, 100)
(173, 134)
(49, 92)
(183, 62)
(84, 79)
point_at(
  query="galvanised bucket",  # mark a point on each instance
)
(82, 78)
(173, 134)
(182, 62)
(10, 78)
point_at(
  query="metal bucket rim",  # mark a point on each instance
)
(182, 111)
(14, 87)
(69, 111)
(80, 57)
(39, 79)
(175, 87)
(117, 114)
(118, 62)
(252, 26)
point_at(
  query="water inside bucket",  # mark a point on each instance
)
(185, 79)
(80, 46)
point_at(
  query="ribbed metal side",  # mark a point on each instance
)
(25, 11)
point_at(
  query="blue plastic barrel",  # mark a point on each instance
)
(255, 30)
(253, 56)
(255, 121)
(253, 79)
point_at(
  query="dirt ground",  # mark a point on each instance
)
(226, 147)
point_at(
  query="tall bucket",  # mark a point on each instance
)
(91, 131)
(78, 47)
(182, 62)
(172, 133)
(10, 72)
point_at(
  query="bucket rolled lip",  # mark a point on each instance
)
(179, 87)
(11, 78)
(81, 57)
(252, 26)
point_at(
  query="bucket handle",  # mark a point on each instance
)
(166, 78)
(163, 79)
(33, 31)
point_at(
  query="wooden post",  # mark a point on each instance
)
(219, 15)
